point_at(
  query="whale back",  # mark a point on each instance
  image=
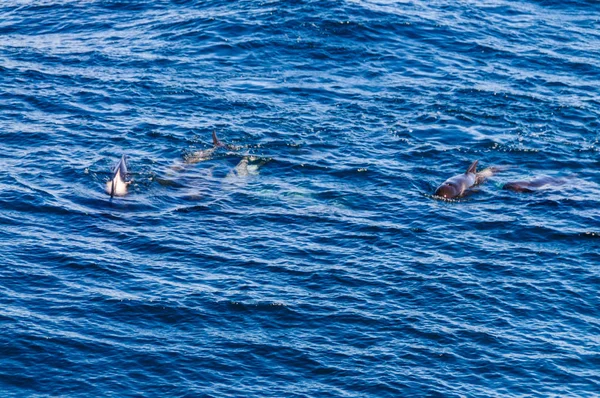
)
(518, 186)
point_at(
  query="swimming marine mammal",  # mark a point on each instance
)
(117, 186)
(249, 165)
(205, 154)
(456, 186)
(533, 185)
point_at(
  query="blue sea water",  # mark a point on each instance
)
(327, 268)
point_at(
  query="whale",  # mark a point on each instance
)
(117, 186)
(240, 170)
(458, 185)
(248, 166)
(206, 154)
(533, 185)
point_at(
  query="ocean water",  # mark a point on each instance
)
(309, 258)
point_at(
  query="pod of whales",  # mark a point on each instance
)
(246, 167)
(454, 187)
(458, 185)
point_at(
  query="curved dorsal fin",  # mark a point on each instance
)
(216, 141)
(472, 168)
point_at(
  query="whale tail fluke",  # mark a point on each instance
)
(472, 168)
(121, 167)
(117, 186)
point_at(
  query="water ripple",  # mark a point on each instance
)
(326, 267)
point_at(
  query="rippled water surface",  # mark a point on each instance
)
(309, 257)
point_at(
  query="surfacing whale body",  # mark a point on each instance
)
(455, 187)
(249, 165)
(533, 185)
(117, 186)
(206, 154)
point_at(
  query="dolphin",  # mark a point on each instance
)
(205, 154)
(533, 185)
(117, 186)
(456, 186)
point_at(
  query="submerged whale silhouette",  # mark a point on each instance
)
(534, 185)
(248, 166)
(456, 186)
(117, 186)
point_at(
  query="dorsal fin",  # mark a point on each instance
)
(472, 168)
(216, 141)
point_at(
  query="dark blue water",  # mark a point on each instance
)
(326, 269)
